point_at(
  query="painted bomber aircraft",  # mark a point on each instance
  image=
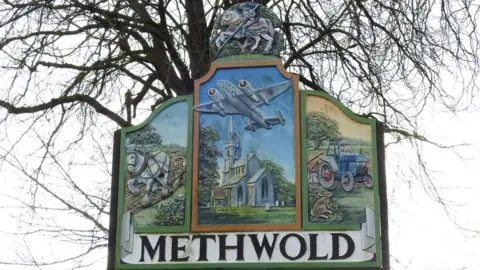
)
(227, 99)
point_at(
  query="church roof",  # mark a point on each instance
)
(239, 178)
(257, 175)
(243, 160)
(235, 179)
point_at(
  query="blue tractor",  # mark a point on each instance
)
(342, 163)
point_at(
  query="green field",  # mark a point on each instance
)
(246, 215)
(351, 205)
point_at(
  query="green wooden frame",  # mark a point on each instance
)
(306, 225)
(188, 183)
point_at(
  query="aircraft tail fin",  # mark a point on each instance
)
(276, 120)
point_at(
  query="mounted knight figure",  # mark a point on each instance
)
(250, 16)
(244, 22)
(150, 169)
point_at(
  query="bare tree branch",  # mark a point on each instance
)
(89, 67)
(62, 100)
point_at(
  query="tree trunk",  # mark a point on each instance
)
(198, 40)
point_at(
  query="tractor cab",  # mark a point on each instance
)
(338, 150)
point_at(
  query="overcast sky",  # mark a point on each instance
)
(421, 234)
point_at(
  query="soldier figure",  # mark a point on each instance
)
(249, 16)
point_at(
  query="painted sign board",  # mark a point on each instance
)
(249, 172)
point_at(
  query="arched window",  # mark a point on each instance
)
(240, 194)
(264, 188)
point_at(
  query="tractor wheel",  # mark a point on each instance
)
(348, 182)
(326, 176)
(369, 182)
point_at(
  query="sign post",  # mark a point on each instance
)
(249, 172)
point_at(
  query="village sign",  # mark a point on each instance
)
(249, 172)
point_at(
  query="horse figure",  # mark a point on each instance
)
(263, 28)
(150, 169)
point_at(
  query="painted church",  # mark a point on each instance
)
(245, 182)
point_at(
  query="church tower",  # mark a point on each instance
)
(232, 151)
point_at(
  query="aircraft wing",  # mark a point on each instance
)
(270, 92)
(212, 107)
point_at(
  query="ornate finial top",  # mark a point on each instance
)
(247, 28)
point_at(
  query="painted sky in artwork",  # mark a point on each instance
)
(172, 123)
(276, 144)
(348, 127)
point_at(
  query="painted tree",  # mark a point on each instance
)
(74, 71)
(320, 128)
(208, 153)
(170, 213)
(144, 139)
(284, 189)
